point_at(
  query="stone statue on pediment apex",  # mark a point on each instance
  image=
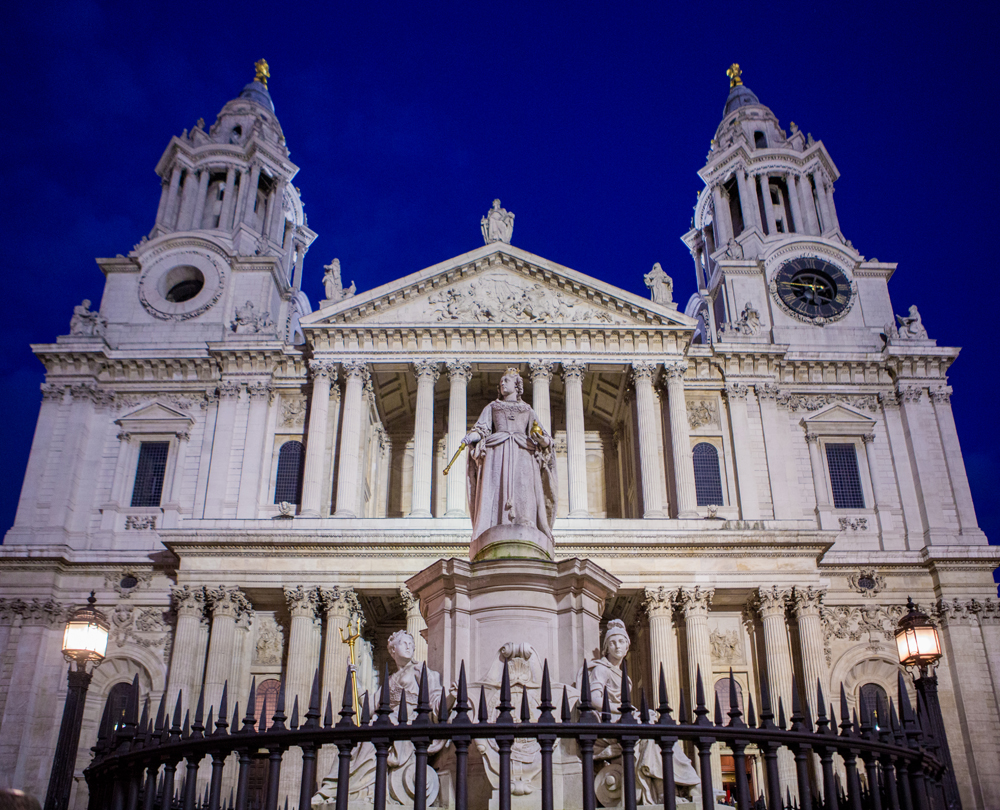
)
(661, 286)
(497, 225)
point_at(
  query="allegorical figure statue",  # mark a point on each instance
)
(333, 285)
(511, 470)
(402, 757)
(497, 225)
(606, 673)
(661, 286)
(911, 327)
(85, 322)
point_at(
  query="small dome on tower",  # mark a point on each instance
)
(251, 111)
(739, 94)
(257, 89)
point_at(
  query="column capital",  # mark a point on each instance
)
(427, 369)
(736, 391)
(812, 438)
(52, 393)
(909, 393)
(868, 438)
(354, 369)
(260, 390)
(807, 601)
(339, 601)
(767, 391)
(459, 371)
(772, 601)
(124, 436)
(229, 602)
(675, 371)
(323, 369)
(695, 601)
(660, 601)
(888, 400)
(410, 602)
(183, 435)
(940, 396)
(574, 370)
(302, 602)
(541, 369)
(188, 601)
(229, 389)
(643, 372)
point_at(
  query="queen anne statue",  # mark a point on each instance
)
(511, 471)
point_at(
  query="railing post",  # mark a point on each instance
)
(704, 744)
(802, 751)
(586, 741)
(738, 747)
(546, 741)
(421, 743)
(504, 741)
(307, 785)
(666, 743)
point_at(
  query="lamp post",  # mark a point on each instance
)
(919, 646)
(84, 644)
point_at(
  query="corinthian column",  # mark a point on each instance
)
(793, 200)
(188, 653)
(323, 376)
(771, 603)
(350, 432)
(807, 603)
(339, 606)
(662, 642)
(649, 456)
(423, 438)
(303, 659)
(541, 377)
(414, 623)
(227, 605)
(459, 374)
(695, 602)
(680, 440)
(576, 448)
(765, 191)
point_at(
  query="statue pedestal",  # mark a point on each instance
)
(511, 541)
(473, 608)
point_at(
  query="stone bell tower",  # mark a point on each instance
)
(771, 261)
(224, 257)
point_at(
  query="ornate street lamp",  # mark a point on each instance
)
(919, 646)
(84, 644)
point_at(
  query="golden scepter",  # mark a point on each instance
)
(353, 636)
(454, 458)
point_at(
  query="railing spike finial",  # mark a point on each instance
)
(462, 706)
(626, 708)
(606, 707)
(278, 719)
(144, 719)
(505, 705)
(751, 714)
(846, 728)
(564, 713)
(175, 724)
(223, 707)
(781, 713)
(525, 715)
(423, 699)
(822, 721)
(366, 712)
(585, 700)
(766, 710)
(210, 718)
(483, 715)
(700, 709)
(442, 709)
(312, 713)
(198, 726)
(718, 710)
(186, 728)
(643, 707)
(402, 716)
(236, 718)
(664, 700)
(682, 710)
(545, 706)
(293, 724)
(905, 708)
(384, 711)
(263, 713)
(250, 721)
(797, 717)
(328, 714)
(158, 724)
(735, 715)
(347, 704)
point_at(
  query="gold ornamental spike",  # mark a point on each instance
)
(734, 73)
(263, 72)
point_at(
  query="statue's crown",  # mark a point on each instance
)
(512, 370)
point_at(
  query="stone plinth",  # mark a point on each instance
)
(511, 541)
(473, 608)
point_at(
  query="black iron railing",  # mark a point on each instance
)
(890, 765)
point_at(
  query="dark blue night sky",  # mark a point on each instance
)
(588, 120)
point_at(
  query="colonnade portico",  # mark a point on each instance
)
(433, 404)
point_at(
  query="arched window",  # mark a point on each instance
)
(268, 690)
(288, 486)
(116, 703)
(707, 476)
(722, 693)
(871, 697)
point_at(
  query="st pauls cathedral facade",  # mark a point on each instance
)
(766, 473)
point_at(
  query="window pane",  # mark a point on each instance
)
(845, 481)
(871, 693)
(149, 473)
(288, 487)
(707, 477)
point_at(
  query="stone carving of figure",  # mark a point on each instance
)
(498, 224)
(911, 327)
(86, 323)
(402, 757)
(333, 285)
(661, 286)
(249, 321)
(606, 673)
(511, 470)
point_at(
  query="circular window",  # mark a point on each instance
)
(182, 283)
(128, 581)
(866, 582)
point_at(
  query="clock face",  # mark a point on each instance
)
(813, 288)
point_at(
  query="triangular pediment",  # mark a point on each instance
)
(155, 418)
(498, 285)
(838, 413)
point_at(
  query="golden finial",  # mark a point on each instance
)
(263, 73)
(734, 73)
